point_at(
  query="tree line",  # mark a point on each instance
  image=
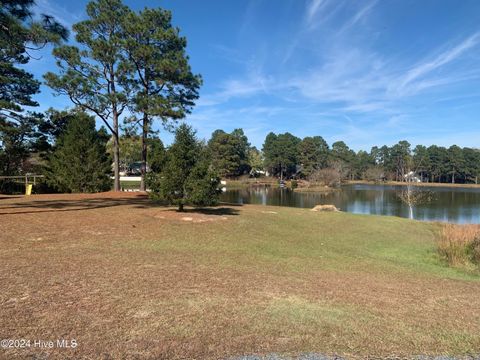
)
(287, 156)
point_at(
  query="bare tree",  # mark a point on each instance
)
(413, 195)
(328, 176)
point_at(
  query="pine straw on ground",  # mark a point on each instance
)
(131, 280)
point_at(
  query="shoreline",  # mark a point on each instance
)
(399, 183)
(240, 184)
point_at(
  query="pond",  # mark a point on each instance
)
(457, 205)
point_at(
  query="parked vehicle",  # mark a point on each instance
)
(135, 169)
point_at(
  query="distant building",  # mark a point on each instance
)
(412, 177)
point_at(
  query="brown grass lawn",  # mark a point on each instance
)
(130, 280)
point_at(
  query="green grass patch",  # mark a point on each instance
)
(303, 241)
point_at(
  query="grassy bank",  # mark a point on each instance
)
(430, 184)
(129, 279)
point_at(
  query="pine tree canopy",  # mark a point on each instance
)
(80, 162)
(187, 177)
(20, 35)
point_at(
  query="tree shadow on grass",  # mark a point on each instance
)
(220, 211)
(38, 206)
(60, 205)
(8, 197)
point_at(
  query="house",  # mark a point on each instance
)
(412, 177)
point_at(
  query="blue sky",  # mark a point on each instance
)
(369, 72)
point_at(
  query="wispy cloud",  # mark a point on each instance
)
(426, 67)
(313, 8)
(230, 54)
(366, 82)
(359, 80)
(358, 16)
(362, 13)
(320, 12)
(352, 76)
(253, 83)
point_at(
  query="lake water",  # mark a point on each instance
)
(458, 205)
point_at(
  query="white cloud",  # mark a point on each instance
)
(358, 17)
(362, 13)
(350, 76)
(424, 68)
(312, 9)
(252, 84)
(365, 82)
(359, 80)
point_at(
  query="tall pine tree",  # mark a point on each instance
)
(94, 76)
(164, 86)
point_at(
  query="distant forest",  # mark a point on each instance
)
(291, 157)
(282, 155)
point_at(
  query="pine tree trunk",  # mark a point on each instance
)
(116, 151)
(116, 143)
(143, 168)
(116, 160)
(180, 207)
(144, 152)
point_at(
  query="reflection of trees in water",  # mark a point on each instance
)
(369, 201)
(460, 205)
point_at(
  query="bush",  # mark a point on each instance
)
(374, 173)
(11, 187)
(459, 245)
(329, 177)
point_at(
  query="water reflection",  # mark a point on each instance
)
(449, 205)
